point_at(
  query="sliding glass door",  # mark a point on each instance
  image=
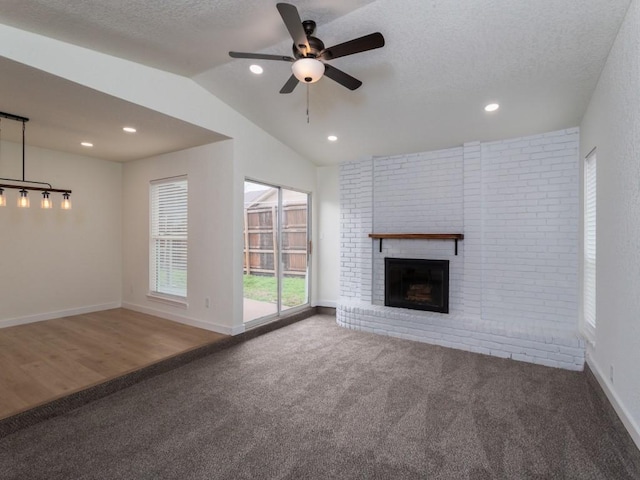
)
(276, 240)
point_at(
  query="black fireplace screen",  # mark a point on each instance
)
(417, 284)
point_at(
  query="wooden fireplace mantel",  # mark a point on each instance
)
(418, 236)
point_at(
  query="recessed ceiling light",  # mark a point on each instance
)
(87, 144)
(129, 129)
(492, 107)
(332, 138)
(257, 69)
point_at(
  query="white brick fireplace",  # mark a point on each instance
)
(514, 282)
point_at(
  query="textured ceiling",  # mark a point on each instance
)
(181, 36)
(442, 62)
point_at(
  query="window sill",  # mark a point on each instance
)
(168, 299)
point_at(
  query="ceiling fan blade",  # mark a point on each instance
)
(290, 85)
(293, 22)
(342, 78)
(357, 45)
(261, 56)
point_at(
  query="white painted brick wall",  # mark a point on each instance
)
(530, 217)
(356, 216)
(419, 193)
(514, 282)
(542, 346)
(349, 226)
(472, 221)
(365, 203)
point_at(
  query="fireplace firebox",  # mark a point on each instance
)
(417, 284)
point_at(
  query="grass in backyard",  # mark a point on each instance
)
(265, 289)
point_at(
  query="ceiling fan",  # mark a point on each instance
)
(310, 54)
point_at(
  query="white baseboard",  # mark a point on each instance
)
(224, 329)
(326, 303)
(625, 417)
(40, 317)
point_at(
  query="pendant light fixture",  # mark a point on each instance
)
(23, 199)
(66, 203)
(46, 201)
(24, 186)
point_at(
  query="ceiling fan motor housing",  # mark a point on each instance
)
(315, 44)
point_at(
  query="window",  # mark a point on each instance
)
(168, 248)
(590, 241)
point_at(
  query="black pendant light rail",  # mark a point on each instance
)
(33, 185)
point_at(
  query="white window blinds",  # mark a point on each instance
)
(590, 239)
(168, 249)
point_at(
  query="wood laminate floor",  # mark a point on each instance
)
(42, 361)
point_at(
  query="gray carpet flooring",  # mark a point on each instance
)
(315, 401)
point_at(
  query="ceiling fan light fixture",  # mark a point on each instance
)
(256, 69)
(308, 70)
(311, 53)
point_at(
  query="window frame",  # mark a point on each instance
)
(156, 293)
(254, 322)
(589, 259)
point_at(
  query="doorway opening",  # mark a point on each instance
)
(276, 251)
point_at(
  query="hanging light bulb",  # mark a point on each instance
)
(3, 199)
(66, 203)
(46, 201)
(23, 199)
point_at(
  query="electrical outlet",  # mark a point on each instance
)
(611, 373)
(207, 303)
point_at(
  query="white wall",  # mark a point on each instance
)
(327, 210)
(56, 262)
(612, 125)
(209, 169)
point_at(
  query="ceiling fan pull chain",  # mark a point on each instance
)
(307, 103)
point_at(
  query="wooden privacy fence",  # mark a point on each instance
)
(261, 239)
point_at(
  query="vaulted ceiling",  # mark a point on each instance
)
(425, 89)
